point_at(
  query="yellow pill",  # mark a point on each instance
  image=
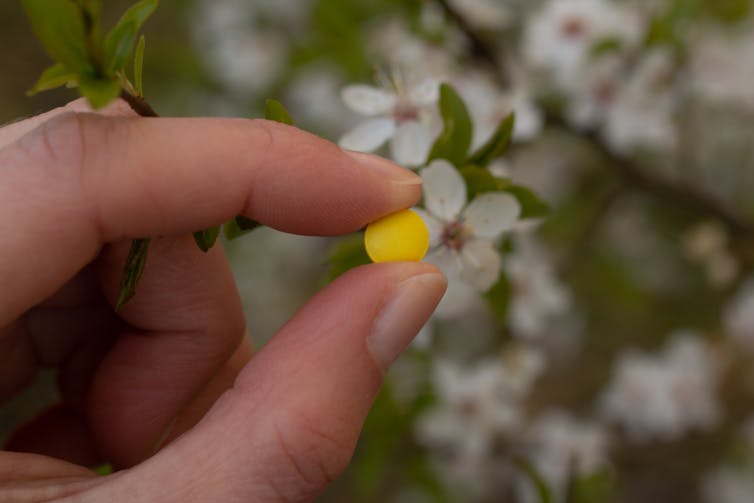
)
(401, 236)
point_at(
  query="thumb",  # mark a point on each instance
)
(290, 423)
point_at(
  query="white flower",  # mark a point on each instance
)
(314, 92)
(538, 296)
(733, 482)
(728, 484)
(486, 14)
(706, 244)
(722, 67)
(488, 105)
(560, 446)
(481, 404)
(403, 115)
(462, 237)
(663, 396)
(559, 38)
(738, 318)
(642, 113)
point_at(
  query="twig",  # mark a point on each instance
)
(480, 50)
(677, 190)
(138, 104)
(592, 225)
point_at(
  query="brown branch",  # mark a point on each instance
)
(677, 190)
(138, 104)
(480, 50)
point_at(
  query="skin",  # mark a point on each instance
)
(167, 389)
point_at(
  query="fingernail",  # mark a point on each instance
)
(388, 168)
(403, 315)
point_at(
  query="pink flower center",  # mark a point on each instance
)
(405, 111)
(454, 235)
(605, 92)
(573, 27)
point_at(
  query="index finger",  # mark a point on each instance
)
(81, 180)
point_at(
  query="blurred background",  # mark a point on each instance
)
(612, 360)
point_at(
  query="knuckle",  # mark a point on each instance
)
(61, 145)
(311, 457)
(62, 140)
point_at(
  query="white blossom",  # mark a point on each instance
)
(722, 67)
(561, 446)
(738, 317)
(538, 297)
(728, 484)
(663, 396)
(485, 14)
(706, 244)
(462, 237)
(488, 105)
(642, 113)
(479, 404)
(405, 115)
(560, 36)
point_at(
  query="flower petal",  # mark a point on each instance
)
(368, 100)
(434, 226)
(491, 213)
(410, 144)
(368, 136)
(480, 263)
(447, 260)
(459, 298)
(425, 93)
(444, 190)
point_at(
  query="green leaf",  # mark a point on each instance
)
(594, 488)
(132, 271)
(455, 139)
(536, 478)
(498, 297)
(206, 239)
(103, 469)
(59, 26)
(55, 76)
(121, 41)
(139, 67)
(606, 45)
(99, 92)
(275, 111)
(239, 226)
(531, 205)
(730, 11)
(347, 254)
(479, 180)
(497, 144)
(92, 8)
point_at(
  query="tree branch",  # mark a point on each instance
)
(480, 50)
(677, 190)
(138, 104)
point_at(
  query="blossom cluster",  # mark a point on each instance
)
(556, 354)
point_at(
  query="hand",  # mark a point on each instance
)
(166, 388)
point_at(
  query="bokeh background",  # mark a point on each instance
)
(613, 362)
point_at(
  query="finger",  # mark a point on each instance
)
(12, 132)
(290, 423)
(19, 362)
(58, 432)
(221, 382)
(33, 478)
(181, 328)
(80, 180)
